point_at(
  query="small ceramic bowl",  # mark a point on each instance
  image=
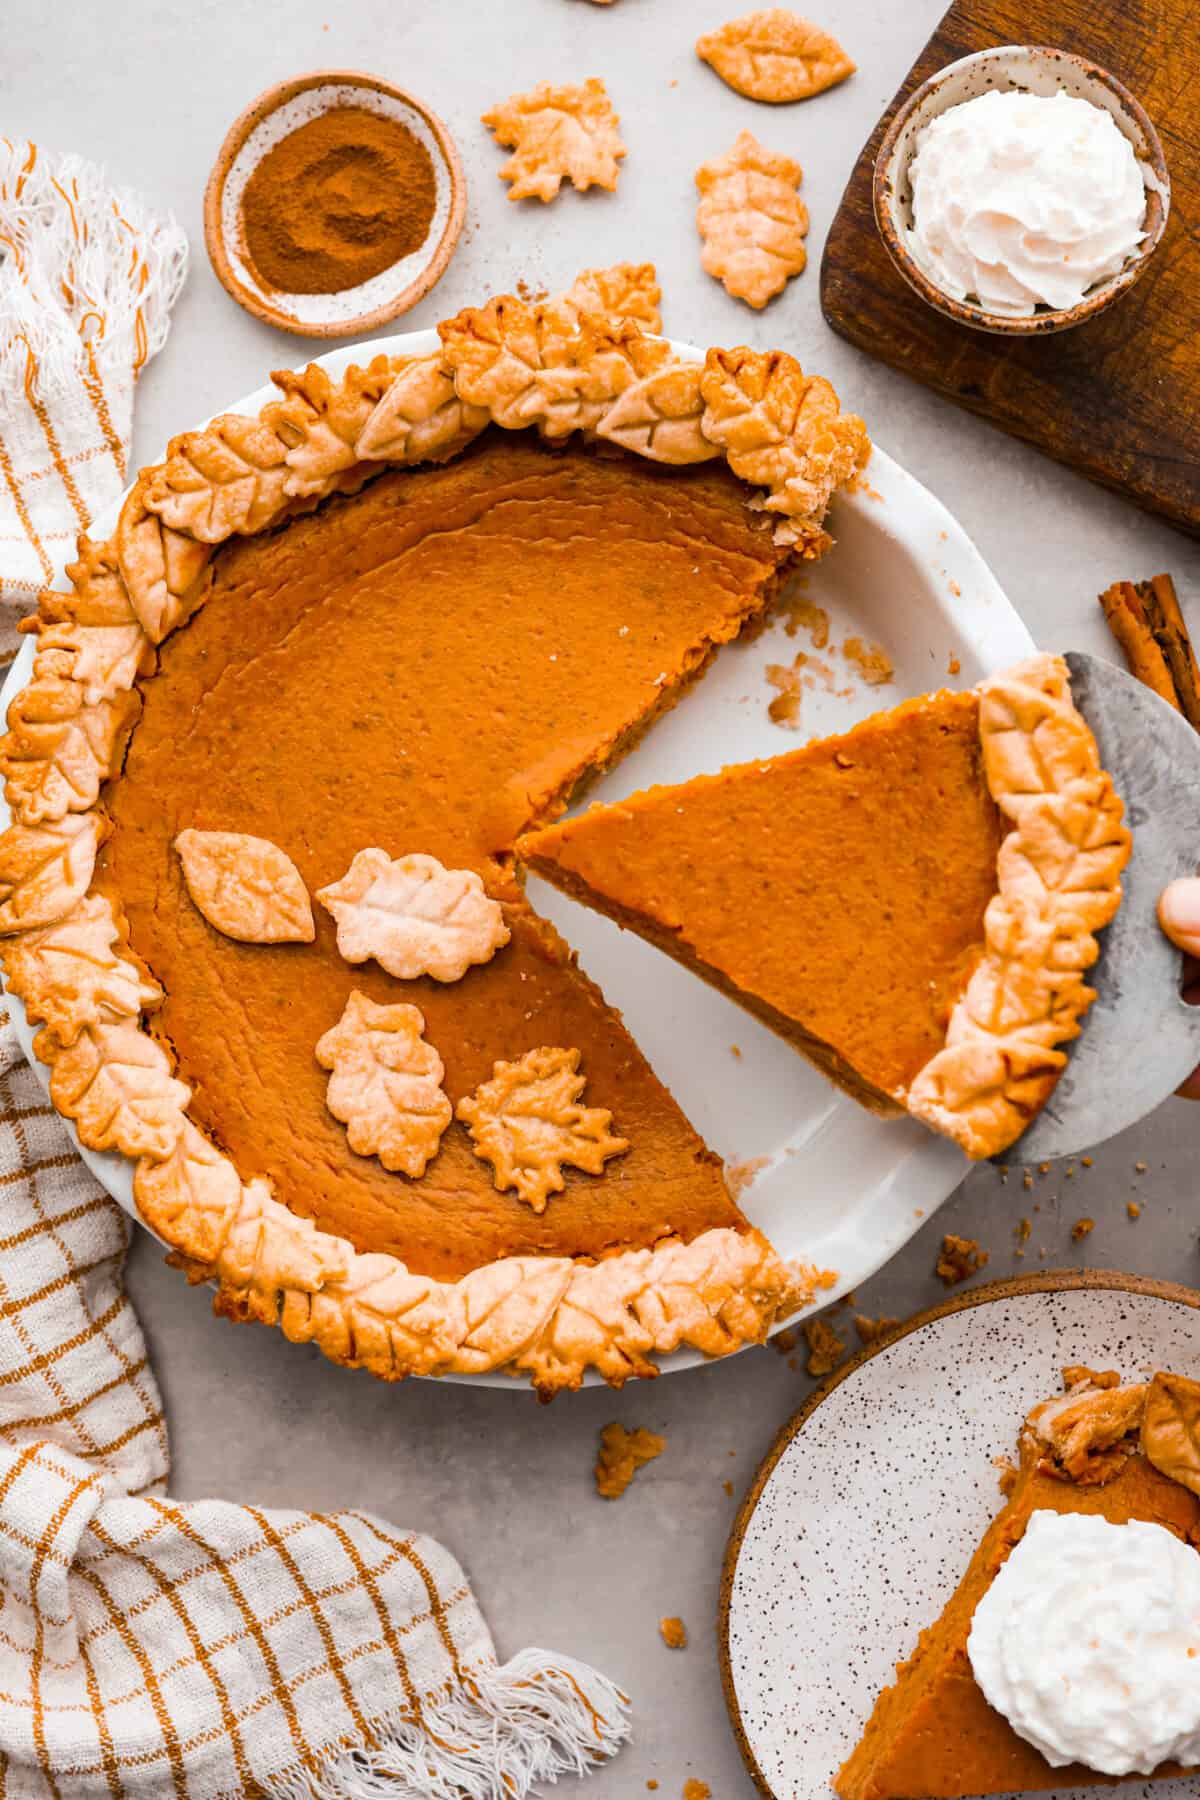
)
(276, 113)
(1030, 69)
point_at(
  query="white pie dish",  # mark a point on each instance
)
(903, 574)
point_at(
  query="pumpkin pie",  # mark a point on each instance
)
(911, 904)
(333, 660)
(1117, 1452)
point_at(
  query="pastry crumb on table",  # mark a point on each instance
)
(673, 1633)
(960, 1258)
(1082, 1228)
(825, 1348)
(696, 1790)
(621, 1454)
(1133, 1209)
(871, 1330)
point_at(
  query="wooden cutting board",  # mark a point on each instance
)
(1117, 398)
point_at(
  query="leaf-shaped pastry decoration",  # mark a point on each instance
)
(622, 291)
(190, 1198)
(386, 1083)
(414, 916)
(557, 134)
(1171, 1429)
(116, 1083)
(527, 1122)
(419, 415)
(775, 55)
(102, 660)
(659, 417)
(72, 972)
(58, 749)
(224, 480)
(781, 429)
(246, 887)
(45, 869)
(752, 220)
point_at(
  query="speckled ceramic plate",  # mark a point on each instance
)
(867, 1510)
(828, 1182)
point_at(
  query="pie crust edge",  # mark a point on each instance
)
(1058, 879)
(65, 950)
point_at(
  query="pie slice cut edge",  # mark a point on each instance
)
(913, 904)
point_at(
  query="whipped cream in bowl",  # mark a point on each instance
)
(1021, 190)
(1088, 1643)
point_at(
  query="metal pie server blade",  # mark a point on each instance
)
(1140, 1038)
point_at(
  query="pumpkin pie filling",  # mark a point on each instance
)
(852, 915)
(391, 671)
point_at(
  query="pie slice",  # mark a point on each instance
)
(407, 613)
(911, 904)
(1104, 1450)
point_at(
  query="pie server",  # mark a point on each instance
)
(1140, 1038)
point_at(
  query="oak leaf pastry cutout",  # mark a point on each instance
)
(752, 220)
(775, 55)
(557, 134)
(623, 291)
(73, 971)
(1171, 1429)
(527, 1122)
(246, 887)
(414, 916)
(385, 1083)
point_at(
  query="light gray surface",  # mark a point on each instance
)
(150, 88)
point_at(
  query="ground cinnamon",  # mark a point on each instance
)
(337, 201)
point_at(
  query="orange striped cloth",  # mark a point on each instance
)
(88, 276)
(149, 1647)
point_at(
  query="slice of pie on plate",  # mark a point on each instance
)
(1119, 1453)
(266, 779)
(912, 904)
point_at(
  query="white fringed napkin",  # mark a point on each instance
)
(88, 277)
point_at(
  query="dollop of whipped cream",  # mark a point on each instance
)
(1020, 200)
(1088, 1642)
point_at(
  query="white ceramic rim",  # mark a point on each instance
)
(990, 629)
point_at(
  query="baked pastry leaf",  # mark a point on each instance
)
(414, 916)
(622, 291)
(557, 134)
(752, 220)
(775, 55)
(246, 887)
(527, 1121)
(1171, 1428)
(385, 1083)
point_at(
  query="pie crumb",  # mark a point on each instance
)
(1133, 1209)
(740, 1175)
(1081, 1228)
(960, 1258)
(799, 612)
(784, 709)
(1139, 1168)
(728, 1486)
(1080, 1375)
(622, 1453)
(1022, 1230)
(1086, 1161)
(696, 1790)
(871, 660)
(871, 1330)
(954, 666)
(825, 1348)
(674, 1633)
(652, 1784)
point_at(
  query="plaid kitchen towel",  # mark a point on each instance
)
(88, 276)
(152, 1647)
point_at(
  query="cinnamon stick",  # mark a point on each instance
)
(1146, 619)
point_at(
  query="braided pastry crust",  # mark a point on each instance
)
(65, 950)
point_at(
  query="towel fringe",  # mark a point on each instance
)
(507, 1730)
(88, 273)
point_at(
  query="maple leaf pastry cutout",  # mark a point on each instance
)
(246, 887)
(557, 134)
(414, 916)
(752, 220)
(527, 1121)
(775, 56)
(622, 291)
(385, 1083)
